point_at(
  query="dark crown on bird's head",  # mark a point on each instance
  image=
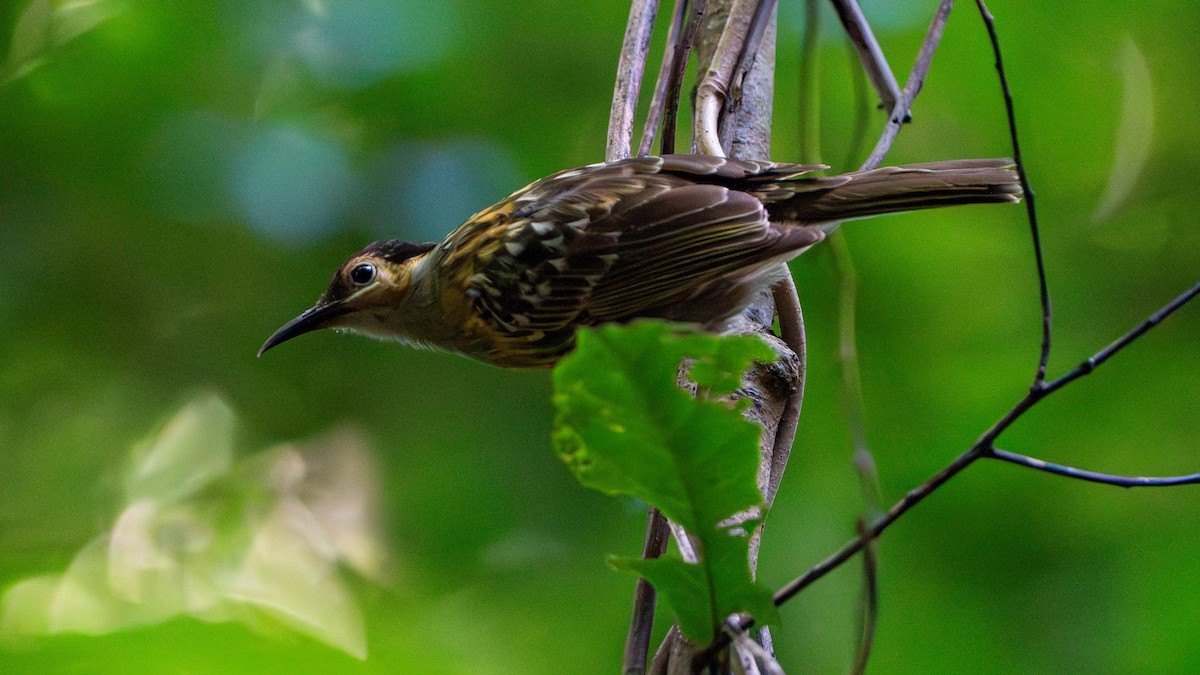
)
(395, 250)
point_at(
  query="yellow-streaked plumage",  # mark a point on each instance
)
(683, 237)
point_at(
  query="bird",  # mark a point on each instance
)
(685, 238)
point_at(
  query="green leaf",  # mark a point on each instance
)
(702, 596)
(624, 426)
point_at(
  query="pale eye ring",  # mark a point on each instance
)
(362, 274)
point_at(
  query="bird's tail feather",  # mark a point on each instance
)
(901, 188)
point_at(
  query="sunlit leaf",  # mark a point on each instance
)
(45, 24)
(340, 490)
(624, 426)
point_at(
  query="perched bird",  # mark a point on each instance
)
(689, 238)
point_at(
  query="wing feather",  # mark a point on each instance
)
(624, 240)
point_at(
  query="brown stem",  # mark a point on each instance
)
(637, 641)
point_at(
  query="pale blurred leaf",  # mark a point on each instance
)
(261, 543)
(45, 24)
(1134, 132)
(192, 449)
(83, 602)
(30, 37)
(25, 603)
(341, 491)
(76, 17)
(284, 576)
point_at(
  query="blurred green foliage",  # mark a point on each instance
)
(177, 179)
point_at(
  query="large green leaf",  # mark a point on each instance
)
(625, 427)
(702, 596)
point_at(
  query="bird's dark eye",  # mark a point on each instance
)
(362, 274)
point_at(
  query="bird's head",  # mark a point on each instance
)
(365, 295)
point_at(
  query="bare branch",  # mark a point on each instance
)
(911, 499)
(1092, 476)
(1122, 342)
(759, 23)
(869, 53)
(984, 448)
(630, 69)
(916, 79)
(662, 84)
(750, 653)
(791, 330)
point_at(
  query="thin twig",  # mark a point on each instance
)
(869, 52)
(630, 69)
(870, 617)
(750, 653)
(1092, 476)
(661, 662)
(1086, 367)
(675, 82)
(911, 499)
(637, 641)
(1043, 289)
(912, 87)
(984, 447)
(659, 100)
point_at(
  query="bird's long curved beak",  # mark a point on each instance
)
(316, 318)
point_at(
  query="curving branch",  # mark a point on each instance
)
(989, 23)
(717, 75)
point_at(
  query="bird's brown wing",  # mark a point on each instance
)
(669, 237)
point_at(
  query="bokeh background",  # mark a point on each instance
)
(178, 179)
